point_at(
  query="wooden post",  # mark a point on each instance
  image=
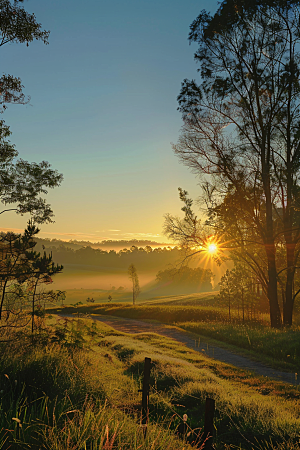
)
(209, 423)
(145, 395)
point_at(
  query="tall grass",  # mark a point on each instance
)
(79, 391)
(69, 397)
(181, 379)
(162, 312)
(281, 345)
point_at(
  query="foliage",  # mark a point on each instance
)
(147, 259)
(22, 271)
(239, 289)
(132, 273)
(21, 182)
(240, 131)
(185, 279)
(19, 26)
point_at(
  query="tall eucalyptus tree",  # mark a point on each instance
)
(241, 132)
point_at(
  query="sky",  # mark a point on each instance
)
(103, 112)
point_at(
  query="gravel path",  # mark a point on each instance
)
(200, 345)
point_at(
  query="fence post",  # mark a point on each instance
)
(145, 395)
(209, 423)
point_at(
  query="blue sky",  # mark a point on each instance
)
(103, 111)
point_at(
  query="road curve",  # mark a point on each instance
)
(200, 345)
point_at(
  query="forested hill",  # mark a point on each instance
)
(146, 259)
(107, 244)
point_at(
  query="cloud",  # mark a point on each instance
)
(142, 234)
(76, 235)
(14, 230)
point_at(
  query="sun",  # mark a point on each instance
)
(212, 248)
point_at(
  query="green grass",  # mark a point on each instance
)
(72, 395)
(282, 346)
(203, 298)
(162, 312)
(77, 388)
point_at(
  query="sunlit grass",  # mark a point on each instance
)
(81, 392)
(183, 377)
(162, 312)
(281, 345)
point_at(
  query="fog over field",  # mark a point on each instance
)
(104, 268)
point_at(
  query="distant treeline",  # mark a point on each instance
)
(143, 258)
(106, 244)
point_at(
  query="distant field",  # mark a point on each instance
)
(201, 298)
(157, 309)
(76, 276)
(74, 296)
(148, 296)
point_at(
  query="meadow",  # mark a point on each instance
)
(202, 315)
(75, 386)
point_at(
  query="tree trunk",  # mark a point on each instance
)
(33, 299)
(290, 271)
(243, 306)
(289, 299)
(275, 315)
(2, 298)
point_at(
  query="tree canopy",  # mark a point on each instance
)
(22, 184)
(241, 134)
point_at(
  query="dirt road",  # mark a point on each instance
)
(138, 326)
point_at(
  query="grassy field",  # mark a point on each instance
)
(280, 348)
(75, 387)
(165, 312)
(149, 297)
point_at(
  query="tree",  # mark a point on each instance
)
(19, 26)
(23, 273)
(13, 260)
(21, 182)
(227, 290)
(40, 270)
(238, 288)
(185, 279)
(241, 131)
(135, 282)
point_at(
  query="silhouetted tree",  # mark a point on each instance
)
(23, 272)
(41, 268)
(135, 282)
(18, 26)
(21, 182)
(241, 130)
